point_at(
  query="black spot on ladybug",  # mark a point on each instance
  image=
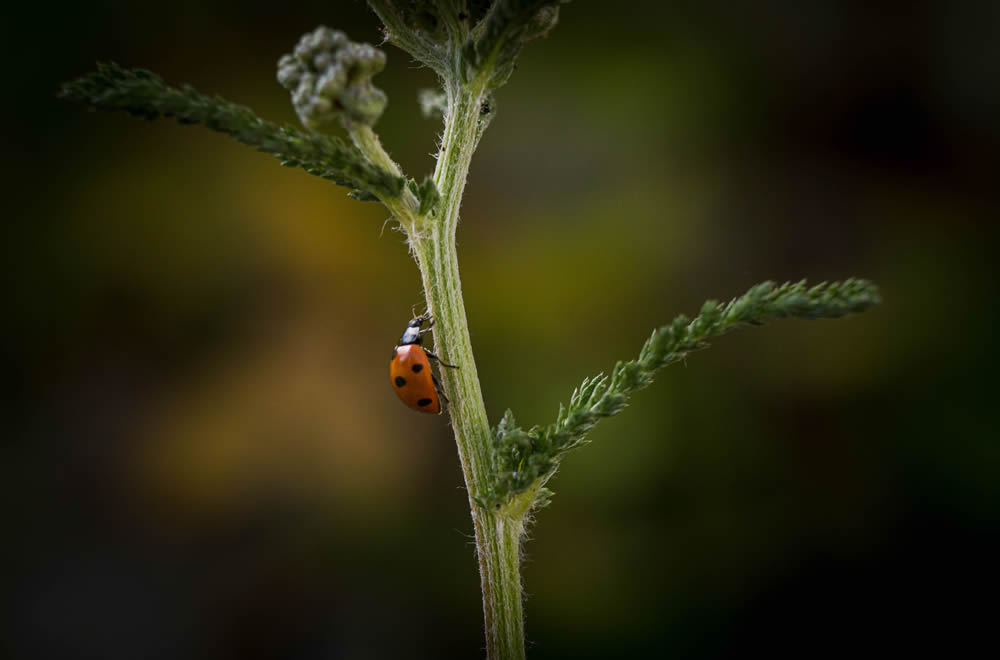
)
(417, 368)
(400, 381)
(424, 402)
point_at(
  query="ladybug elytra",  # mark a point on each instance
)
(410, 369)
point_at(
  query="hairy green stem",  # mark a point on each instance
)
(433, 242)
(367, 142)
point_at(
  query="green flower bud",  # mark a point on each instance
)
(330, 78)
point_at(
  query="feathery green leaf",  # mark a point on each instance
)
(144, 94)
(523, 460)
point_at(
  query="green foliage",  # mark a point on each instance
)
(463, 39)
(330, 78)
(525, 460)
(423, 28)
(508, 25)
(144, 94)
(427, 193)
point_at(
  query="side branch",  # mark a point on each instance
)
(523, 461)
(144, 94)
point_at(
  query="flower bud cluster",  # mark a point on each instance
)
(330, 78)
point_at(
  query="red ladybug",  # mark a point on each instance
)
(410, 369)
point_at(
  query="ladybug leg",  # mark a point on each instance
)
(430, 324)
(437, 386)
(440, 361)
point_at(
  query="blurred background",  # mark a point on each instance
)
(205, 458)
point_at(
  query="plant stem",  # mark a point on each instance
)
(433, 242)
(404, 209)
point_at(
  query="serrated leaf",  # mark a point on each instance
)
(143, 94)
(522, 466)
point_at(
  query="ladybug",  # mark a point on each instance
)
(410, 369)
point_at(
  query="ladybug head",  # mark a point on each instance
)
(413, 330)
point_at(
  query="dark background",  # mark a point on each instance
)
(206, 460)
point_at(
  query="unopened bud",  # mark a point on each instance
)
(330, 78)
